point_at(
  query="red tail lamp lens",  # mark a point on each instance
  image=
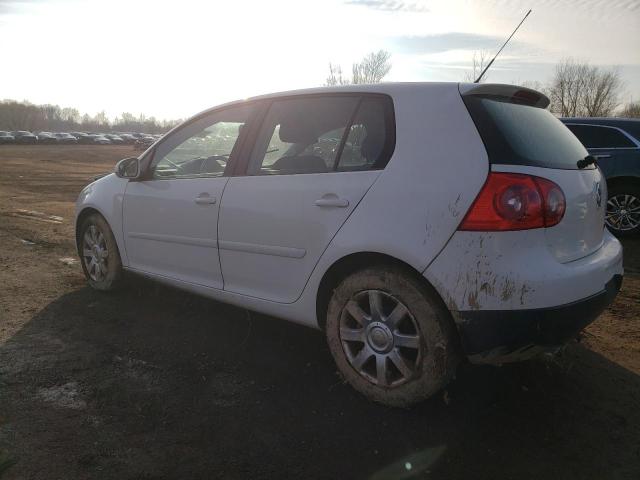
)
(512, 201)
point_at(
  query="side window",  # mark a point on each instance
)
(371, 138)
(592, 136)
(202, 148)
(302, 135)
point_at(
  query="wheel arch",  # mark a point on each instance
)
(82, 215)
(623, 180)
(356, 261)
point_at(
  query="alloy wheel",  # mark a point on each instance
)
(623, 212)
(380, 338)
(95, 253)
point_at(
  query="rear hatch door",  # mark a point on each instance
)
(521, 136)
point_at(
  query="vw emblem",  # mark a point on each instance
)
(598, 194)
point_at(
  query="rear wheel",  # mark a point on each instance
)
(99, 253)
(623, 209)
(390, 335)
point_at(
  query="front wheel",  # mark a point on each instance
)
(391, 336)
(99, 253)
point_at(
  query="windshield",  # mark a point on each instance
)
(518, 134)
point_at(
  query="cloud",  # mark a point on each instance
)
(390, 5)
(11, 6)
(450, 41)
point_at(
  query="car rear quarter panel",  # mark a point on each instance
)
(438, 167)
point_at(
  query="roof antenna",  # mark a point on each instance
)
(477, 80)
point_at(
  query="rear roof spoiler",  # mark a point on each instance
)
(513, 93)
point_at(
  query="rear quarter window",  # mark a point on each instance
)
(519, 134)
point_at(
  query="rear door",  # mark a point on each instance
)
(313, 160)
(170, 218)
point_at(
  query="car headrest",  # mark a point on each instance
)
(299, 131)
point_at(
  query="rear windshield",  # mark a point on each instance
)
(517, 134)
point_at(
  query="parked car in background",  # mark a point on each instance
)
(86, 139)
(78, 135)
(403, 262)
(115, 139)
(101, 140)
(45, 138)
(144, 142)
(65, 138)
(94, 139)
(127, 138)
(6, 137)
(615, 144)
(24, 137)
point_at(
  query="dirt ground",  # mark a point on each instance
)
(151, 383)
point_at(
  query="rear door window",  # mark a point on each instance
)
(321, 134)
(519, 134)
(302, 135)
(593, 136)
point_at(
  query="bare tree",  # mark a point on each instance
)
(602, 92)
(579, 89)
(532, 84)
(479, 61)
(335, 76)
(371, 69)
(631, 110)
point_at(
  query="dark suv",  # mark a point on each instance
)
(615, 143)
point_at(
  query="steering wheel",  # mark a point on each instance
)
(178, 167)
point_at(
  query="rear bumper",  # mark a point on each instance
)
(501, 336)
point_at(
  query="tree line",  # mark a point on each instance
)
(16, 115)
(576, 89)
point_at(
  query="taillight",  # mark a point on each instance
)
(512, 201)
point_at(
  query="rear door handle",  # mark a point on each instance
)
(331, 200)
(205, 199)
(604, 155)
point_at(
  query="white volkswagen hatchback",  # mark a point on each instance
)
(414, 223)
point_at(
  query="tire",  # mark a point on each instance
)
(411, 356)
(623, 209)
(106, 274)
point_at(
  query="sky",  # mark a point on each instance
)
(172, 59)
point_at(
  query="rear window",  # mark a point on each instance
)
(517, 134)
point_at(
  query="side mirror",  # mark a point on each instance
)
(128, 168)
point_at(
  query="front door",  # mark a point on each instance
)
(170, 218)
(313, 161)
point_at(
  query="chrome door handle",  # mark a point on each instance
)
(331, 200)
(604, 155)
(205, 199)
